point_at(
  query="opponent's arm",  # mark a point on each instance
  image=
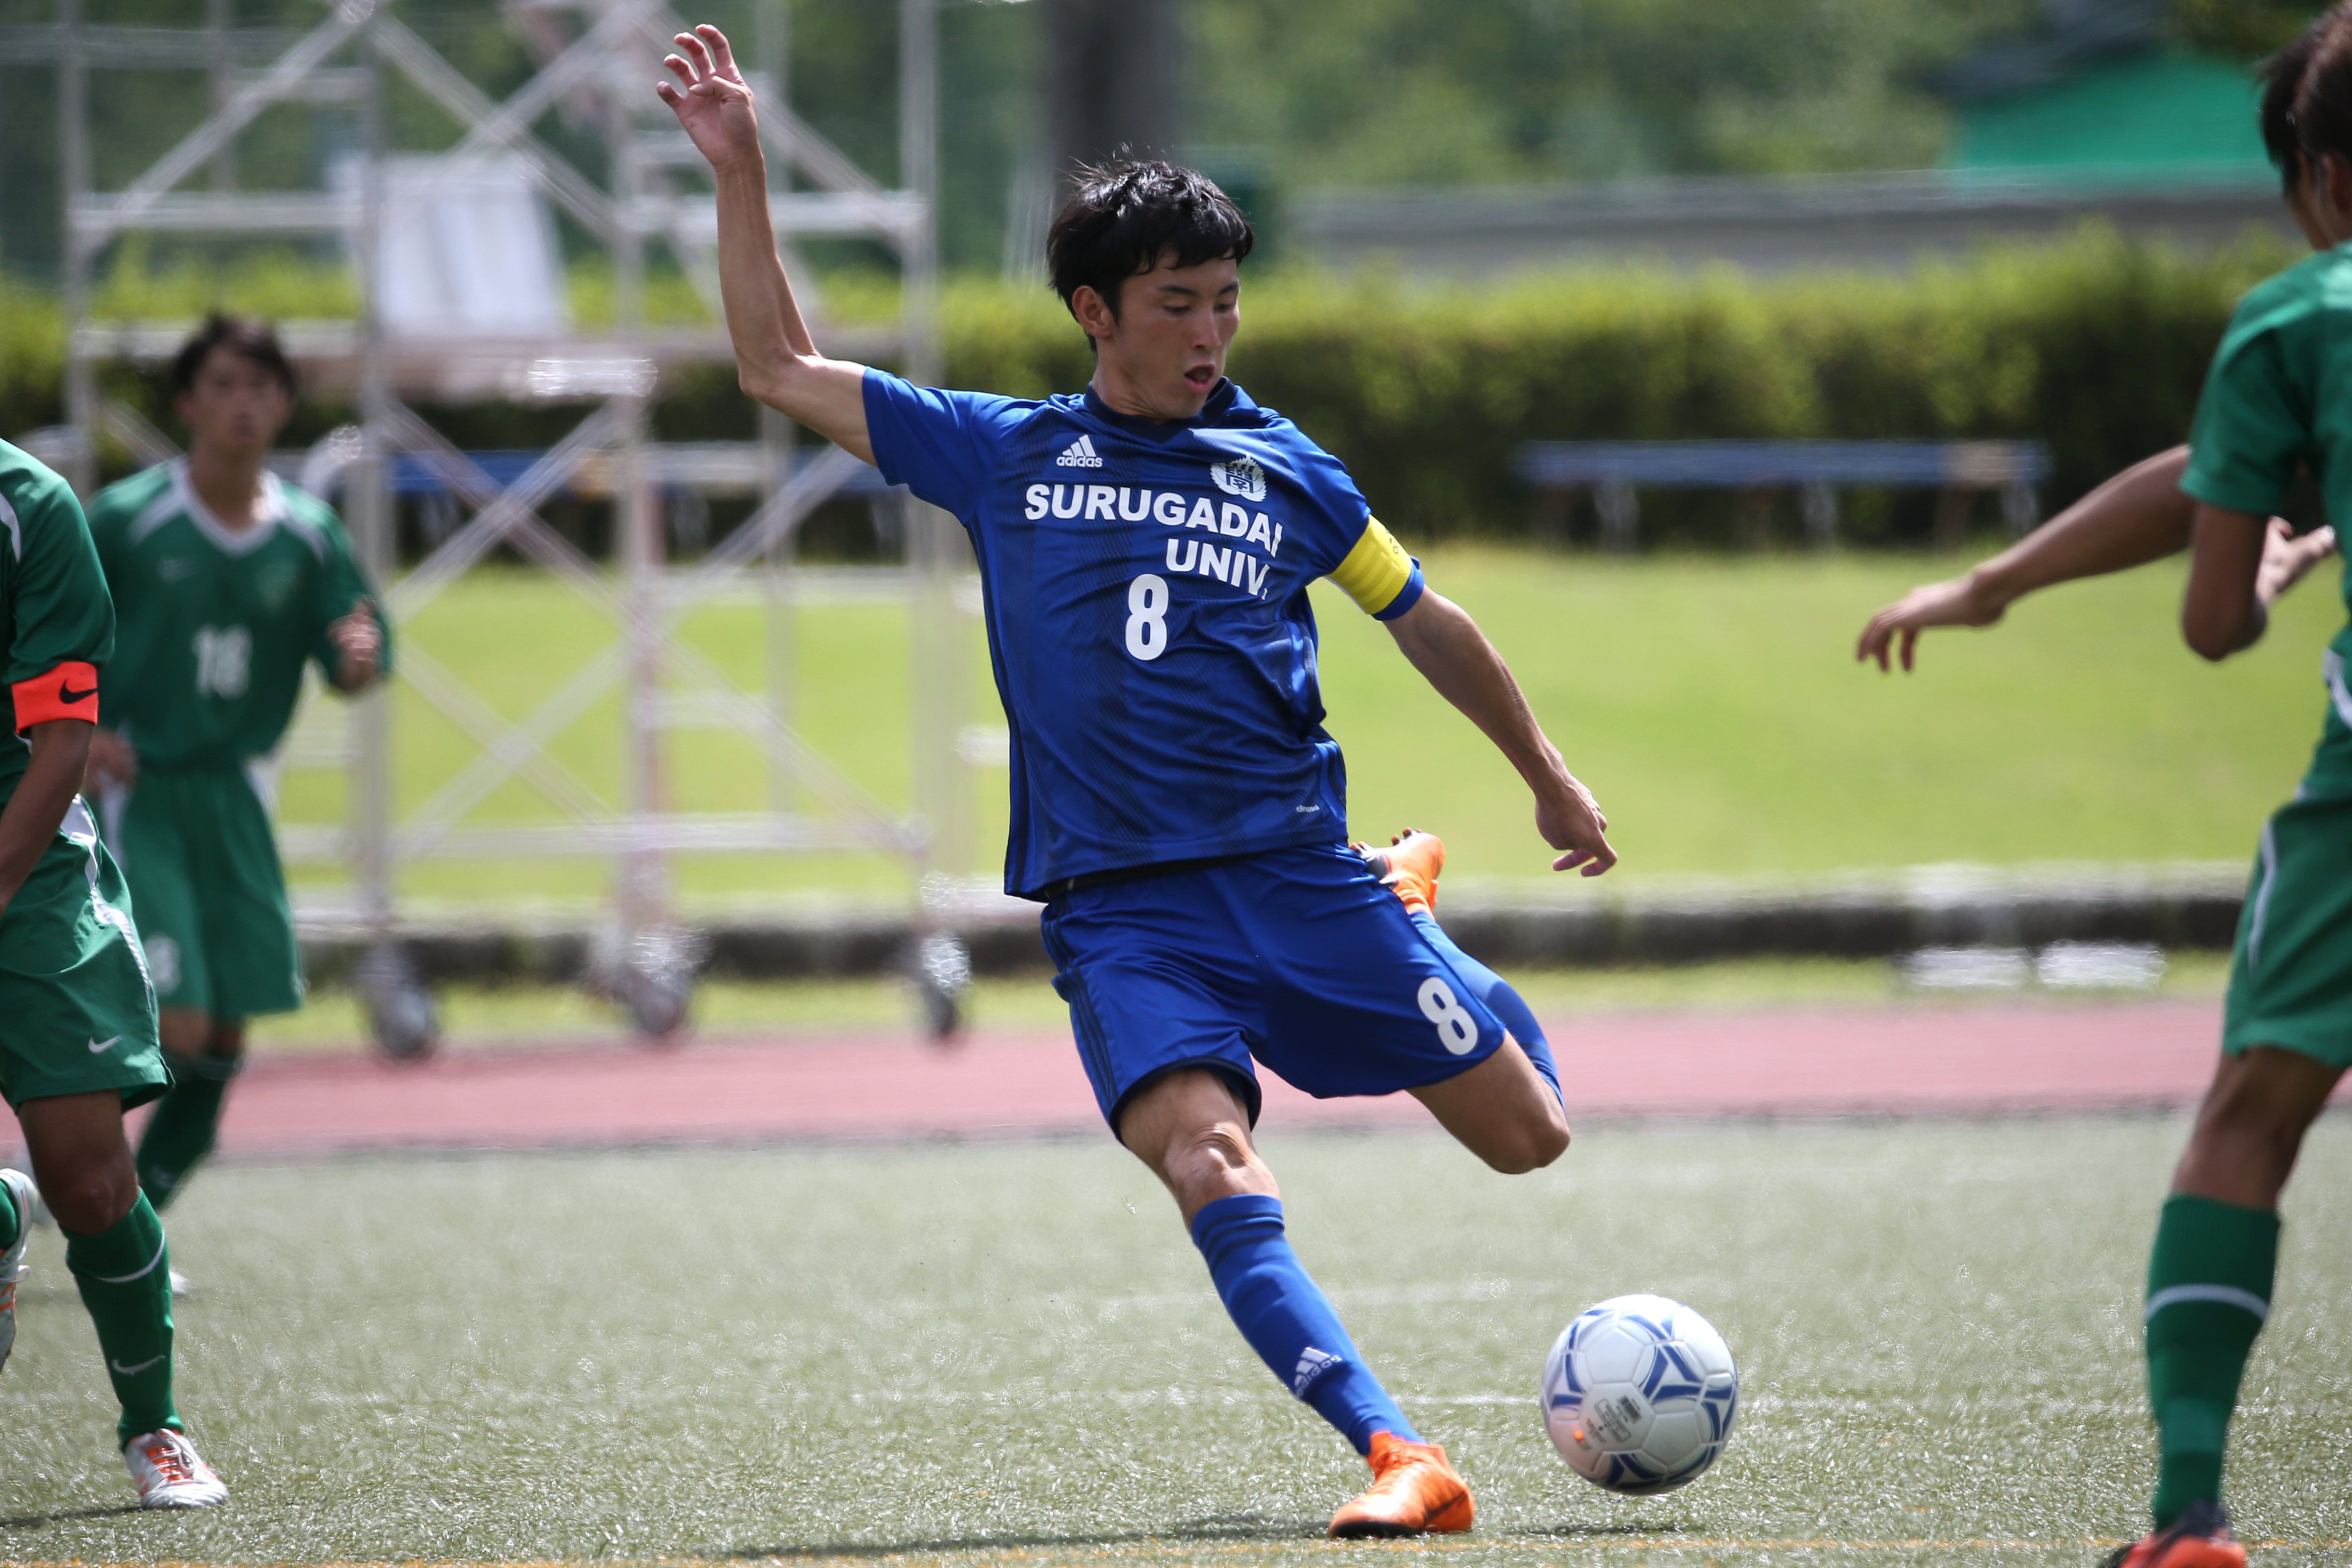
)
(775, 359)
(52, 778)
(2138, 516)
(1453, 655)
(358, 640)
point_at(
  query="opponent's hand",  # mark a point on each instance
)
(1570, 819)
(112, 760)
(715, 104)
(1961, 602)
(358, 642)
(2286, 556)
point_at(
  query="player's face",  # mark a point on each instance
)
(236, 407)
(1165, 349)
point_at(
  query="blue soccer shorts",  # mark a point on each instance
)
(1296, 958)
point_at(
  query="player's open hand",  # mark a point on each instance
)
(1962, 602)
(2287, 555)
(1571, 820)
(112, 763)
(715, 102)
(358, 641)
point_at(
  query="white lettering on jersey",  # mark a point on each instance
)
(1080, 454)
(1168, 508)
(1147, 617)
(1142, 505)
(1234, 521)
(1191, 554)
(1102, 502)
(1204, 515)
(223, 661)
(1216, 561)
(1077, 494)
(1258, 535)
(1037, 494)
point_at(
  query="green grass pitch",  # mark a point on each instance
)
(1008, 1354)
(1712, 704)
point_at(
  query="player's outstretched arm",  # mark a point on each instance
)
(775, 359)
(2240, 565)
(1453, 655)
(2136, 517)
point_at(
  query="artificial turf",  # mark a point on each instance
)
(1011, 1354)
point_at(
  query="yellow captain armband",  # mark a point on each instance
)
(1378, 576)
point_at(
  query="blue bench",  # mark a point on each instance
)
(1613, 470)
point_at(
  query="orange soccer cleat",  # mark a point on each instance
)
(2199, 1538)
(1414, 1491)
(1408, 868)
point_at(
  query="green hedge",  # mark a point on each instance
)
(2095, 345)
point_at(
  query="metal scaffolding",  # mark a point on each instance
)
(596, 60)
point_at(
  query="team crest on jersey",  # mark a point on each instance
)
(275, 585)
(1239, 477)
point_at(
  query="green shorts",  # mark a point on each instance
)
(202, 865)
(77, 1014)
(2291, 979)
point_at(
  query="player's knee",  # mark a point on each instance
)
(225, 1042)
(91, 1198)
(184, 1032)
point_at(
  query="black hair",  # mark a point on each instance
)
(242, 336)
(1124, 216)
(2323, 99)
(2282, 78)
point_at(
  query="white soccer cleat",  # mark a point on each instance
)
(180, 1285)
(170, 1473)
(12, 1262)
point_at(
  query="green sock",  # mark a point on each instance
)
(181, 1131)
(2209, 1290)
(125, 1280)
(12, 1224)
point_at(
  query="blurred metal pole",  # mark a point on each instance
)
(1114, 80)
(73, 140)
(367, 496)
(218, 19)
(772, 46)
(935, 545)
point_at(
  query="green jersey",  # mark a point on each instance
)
(56, 620)
(217, 623)
(2277, 398)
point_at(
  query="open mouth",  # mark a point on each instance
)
(1201, 378)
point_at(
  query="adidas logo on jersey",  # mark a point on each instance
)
(1080, 454)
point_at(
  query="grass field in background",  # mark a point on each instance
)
(1712, 704)
(1011, 1354)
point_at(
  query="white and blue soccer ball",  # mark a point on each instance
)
(1640, 1395)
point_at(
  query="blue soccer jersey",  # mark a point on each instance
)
(1148, 615)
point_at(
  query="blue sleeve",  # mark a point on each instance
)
(940, 445)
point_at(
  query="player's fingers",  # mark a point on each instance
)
(720, 49)
(678, 68)
(694, 51)
(1910, 641)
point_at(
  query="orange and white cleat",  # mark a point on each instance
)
(170, 1473)
(12, 1260)
(1414, 1491)
(1408, 868)
(2199, 1538)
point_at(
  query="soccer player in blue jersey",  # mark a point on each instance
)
(1145, 548)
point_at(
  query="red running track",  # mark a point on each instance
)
(1900, 1061)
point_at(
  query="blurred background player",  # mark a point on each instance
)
(1147, 549)
(79, 1047)
(2277, 399)
(227, 583)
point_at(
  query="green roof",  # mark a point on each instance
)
(2152, 116)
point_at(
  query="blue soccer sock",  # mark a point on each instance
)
(1289, 1321)
(1501, 1000)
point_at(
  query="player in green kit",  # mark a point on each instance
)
(2277, 399)
(228, 583)
(79, 1047)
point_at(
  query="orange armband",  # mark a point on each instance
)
(69, 692)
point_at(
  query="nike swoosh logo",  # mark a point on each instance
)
(97, 1045)
(68, 696)
(135, 1371)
